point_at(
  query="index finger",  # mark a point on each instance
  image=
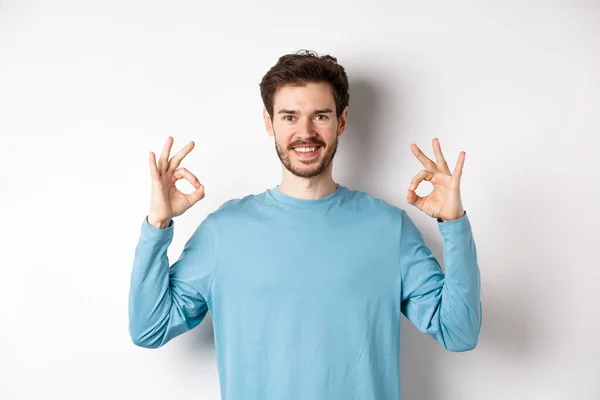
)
(426, 161)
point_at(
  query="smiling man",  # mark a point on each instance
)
(306, 281)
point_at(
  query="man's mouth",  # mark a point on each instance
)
(306, 151)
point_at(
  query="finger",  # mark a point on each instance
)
(176, 160)
(163, 161)
(153, 170)
(423, 175)
(426, 161)
(413, 198)
(459, 167)
(439, 157)
(191, 178)
(196, 195)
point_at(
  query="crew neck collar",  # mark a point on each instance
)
(304, 203)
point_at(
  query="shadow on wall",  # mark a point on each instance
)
(507, 335)
(509, 324)
(358, 143)
(365, 150)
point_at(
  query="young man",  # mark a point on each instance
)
(306, 281)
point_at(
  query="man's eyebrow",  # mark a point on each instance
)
(317, 111)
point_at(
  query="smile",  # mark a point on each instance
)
(306, 152)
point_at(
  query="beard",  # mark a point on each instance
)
(313, 167)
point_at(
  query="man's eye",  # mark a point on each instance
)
(291, 116)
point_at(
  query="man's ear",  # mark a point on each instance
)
(342, 122)
(268, 122)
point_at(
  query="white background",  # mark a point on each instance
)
(88, 89)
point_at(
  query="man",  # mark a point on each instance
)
(306, 281)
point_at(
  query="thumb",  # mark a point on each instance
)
(413, 198)
(197, 194)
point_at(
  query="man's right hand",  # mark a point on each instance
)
(167, 201)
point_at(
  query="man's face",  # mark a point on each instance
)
(304, 118)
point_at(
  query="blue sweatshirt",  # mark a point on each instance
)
(306, 295)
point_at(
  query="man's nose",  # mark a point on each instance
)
(306, 128)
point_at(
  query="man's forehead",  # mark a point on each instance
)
(304, 98)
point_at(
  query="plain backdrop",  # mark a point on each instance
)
(88, 89)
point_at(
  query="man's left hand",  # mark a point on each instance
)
(444, 201)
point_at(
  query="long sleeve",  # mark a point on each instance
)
(166, 302)
(445, 306)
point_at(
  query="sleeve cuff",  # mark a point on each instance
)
(441, 220)
(150, 232)
(461, 224)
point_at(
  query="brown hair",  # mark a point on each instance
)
(305, 66)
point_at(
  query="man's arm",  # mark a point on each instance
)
(447, 306)
(166, 302)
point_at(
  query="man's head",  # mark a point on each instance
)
(306, 101)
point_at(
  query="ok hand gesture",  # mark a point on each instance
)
(167, 201)
(444, 201)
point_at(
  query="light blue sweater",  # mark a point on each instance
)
(306, 295)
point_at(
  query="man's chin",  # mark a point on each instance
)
(308, 164)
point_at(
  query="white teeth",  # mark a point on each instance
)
(305, 149)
